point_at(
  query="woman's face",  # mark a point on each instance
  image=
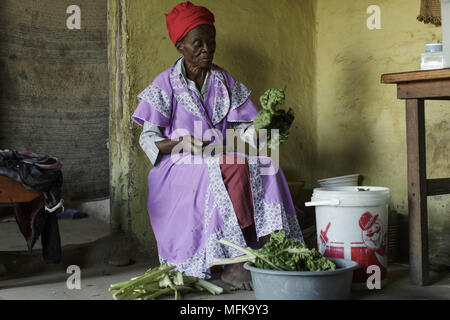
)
(198, 46)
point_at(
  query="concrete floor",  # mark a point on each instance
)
(72, 231)
(50, 283)
(95, 282)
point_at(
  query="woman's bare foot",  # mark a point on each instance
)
(237, 276)
(263, 240)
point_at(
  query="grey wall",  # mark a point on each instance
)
(54, 89)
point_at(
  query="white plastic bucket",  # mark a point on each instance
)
(352, 223)
(342, 181)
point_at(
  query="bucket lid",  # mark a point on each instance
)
(347, 177)
(338, 184)
(353, 195)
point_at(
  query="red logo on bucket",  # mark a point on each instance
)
(330, 249)
(323, 239)
(371, 250)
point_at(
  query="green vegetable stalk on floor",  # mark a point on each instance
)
(161, 281)
(282, 254)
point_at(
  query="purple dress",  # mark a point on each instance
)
(188, 204)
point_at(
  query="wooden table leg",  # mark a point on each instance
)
(417, 192)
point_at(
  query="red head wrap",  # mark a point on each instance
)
(186, 16)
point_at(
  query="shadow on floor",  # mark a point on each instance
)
(21, 264)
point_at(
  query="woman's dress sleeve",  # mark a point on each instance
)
(246, 131)
(155, 103)
(151, 134)
(154, 114)
(242, 108)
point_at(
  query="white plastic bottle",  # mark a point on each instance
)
(432, 58)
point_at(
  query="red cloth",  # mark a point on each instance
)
(186, 16)
(236, 177)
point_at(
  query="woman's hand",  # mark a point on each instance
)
(191, 145)
(187, 143)
(260, 140)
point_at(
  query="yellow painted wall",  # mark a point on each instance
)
(360, 122)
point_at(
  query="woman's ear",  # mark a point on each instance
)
(179, 47)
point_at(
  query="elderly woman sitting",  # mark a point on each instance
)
(193, 200)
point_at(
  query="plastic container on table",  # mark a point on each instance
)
(433, 58)
(445, 21)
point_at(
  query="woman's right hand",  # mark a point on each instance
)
(191, 145)
(187, 143)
